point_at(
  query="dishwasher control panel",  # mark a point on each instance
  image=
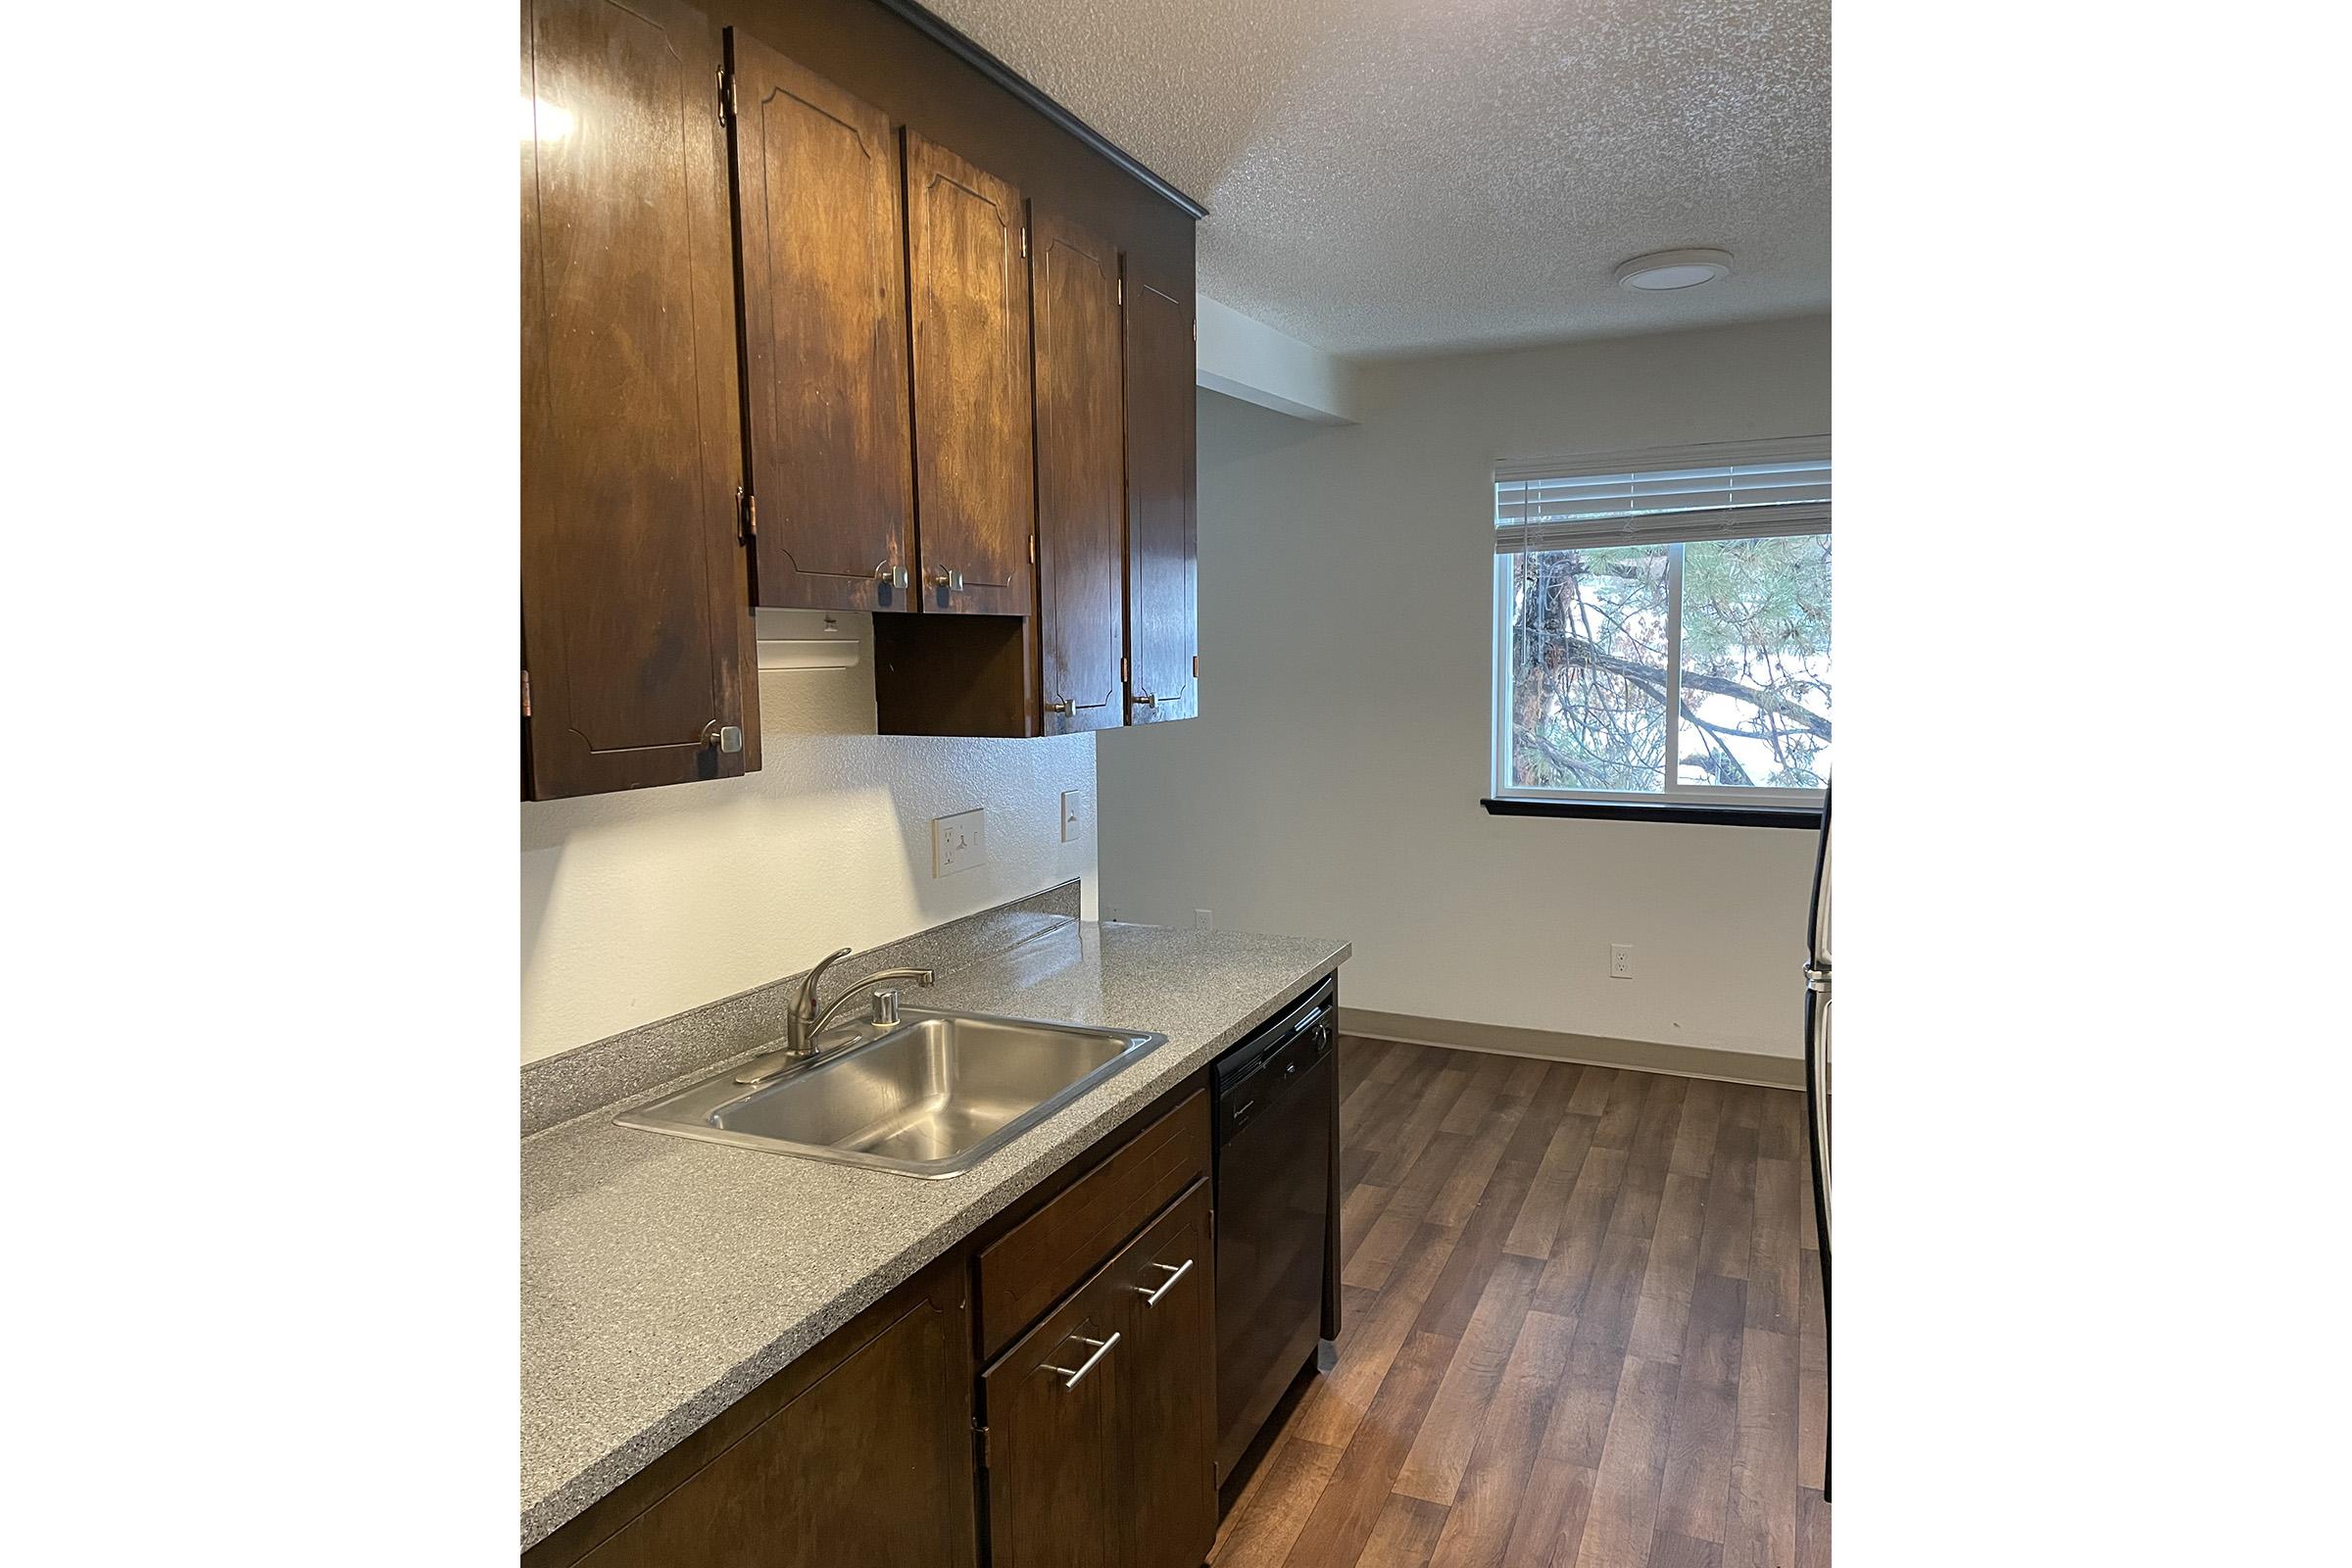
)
(1258, 1070)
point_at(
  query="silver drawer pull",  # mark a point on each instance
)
(1071, 1374)
(1176, 1271)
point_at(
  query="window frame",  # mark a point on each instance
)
(1742, 800)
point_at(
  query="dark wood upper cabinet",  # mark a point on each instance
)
(968, 301)
(1162, 622)
(635, 628)
(826, 440)
(829, 312)
(1081, 527)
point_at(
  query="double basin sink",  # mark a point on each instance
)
(929, 1096)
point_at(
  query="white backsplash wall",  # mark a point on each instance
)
(1331, 784)
(641, 905)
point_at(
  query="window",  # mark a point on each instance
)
(1662, 626)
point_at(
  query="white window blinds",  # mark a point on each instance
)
(1735, 490)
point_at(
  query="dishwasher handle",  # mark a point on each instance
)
(1272, 1081)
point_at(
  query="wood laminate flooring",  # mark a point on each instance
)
(1583, 1329)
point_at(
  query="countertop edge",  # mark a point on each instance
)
(573, 1496)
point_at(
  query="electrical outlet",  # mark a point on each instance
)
(959, 842)
(1071, 821)
(1202, 920)
(1621, 960)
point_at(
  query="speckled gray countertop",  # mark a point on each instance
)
(663, 1278)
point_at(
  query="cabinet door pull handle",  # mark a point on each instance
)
(1144, 700)
(1177, 1271)
(892, 576)
(950, 578)
(1071, 1374)
(726, 737)
(1068, 705)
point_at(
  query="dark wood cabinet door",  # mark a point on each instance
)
(1112, 1462)
(826, 445)
(1171, 1406)
(868, 1462)
(968, 299)
(1055, 1430)
(1163, 623)
(1081, 527)
(636, 627)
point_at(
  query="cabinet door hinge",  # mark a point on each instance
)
(1122, 669)
(1033, 550)
(980, 1437)
(746, 514)
(1024, 240)
(1195, 667)
(726, 95)
(526, 694)
(1122, 291)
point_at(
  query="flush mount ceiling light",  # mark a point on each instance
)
(1663, 271)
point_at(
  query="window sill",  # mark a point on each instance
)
(1797, 816)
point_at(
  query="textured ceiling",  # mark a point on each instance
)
(1385, 176)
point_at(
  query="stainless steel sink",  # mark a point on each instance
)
(929, 1096)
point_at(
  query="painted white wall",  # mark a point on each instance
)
(1332, 782)
(1243, 358)
(639, 906)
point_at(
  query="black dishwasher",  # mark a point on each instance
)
(1278, 1114)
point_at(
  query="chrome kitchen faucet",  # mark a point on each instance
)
(806, 1023)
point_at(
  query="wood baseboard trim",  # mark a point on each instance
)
(1595, 1051)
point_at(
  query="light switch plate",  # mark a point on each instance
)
(959, 842)
(1072, 820)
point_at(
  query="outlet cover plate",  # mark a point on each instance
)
(959, 842)
(1621, 960)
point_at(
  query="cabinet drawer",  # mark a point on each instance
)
(1036, 1262)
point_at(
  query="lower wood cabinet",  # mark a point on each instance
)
(1169, 1445)
(858, 1454)
(1092, 1435)
(1101, 1421)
